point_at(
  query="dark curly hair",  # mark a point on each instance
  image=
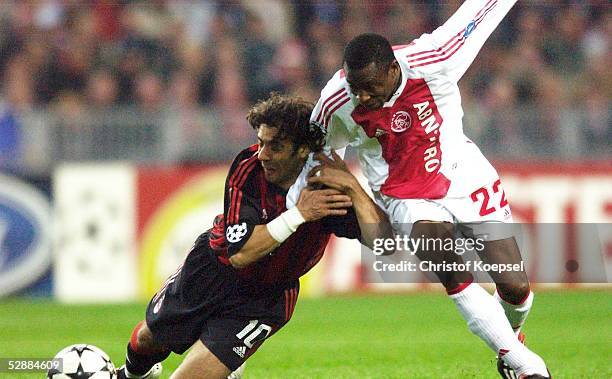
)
(291, 116)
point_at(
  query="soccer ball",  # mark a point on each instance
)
(82, 362)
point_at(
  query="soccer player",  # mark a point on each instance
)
(239, 283)
(401, 108)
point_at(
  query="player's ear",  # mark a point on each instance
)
(303, 151)
(394, 67)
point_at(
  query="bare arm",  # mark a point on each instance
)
(259, 244)
(373, 222)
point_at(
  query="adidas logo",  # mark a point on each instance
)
(502, 352)
(380, 132)
(240, 350)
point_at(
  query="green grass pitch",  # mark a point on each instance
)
(365, 336)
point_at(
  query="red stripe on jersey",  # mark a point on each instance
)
(236, 182)
(441, 53)
(439, 49)
(244, 166)
(477, 20)
(293, 301)
(325, 103)
(239, 170)
(451, 53)
(335, 109)
(398, 47)
(238, 185)
(290, 303)
(286, 305)
(240, 182)
(230, 211)
(331, 106)
(237, 209)
(445, 48)
(484, 8)
(235, 203)
(234, 189)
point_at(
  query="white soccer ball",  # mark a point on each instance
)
(83, 361)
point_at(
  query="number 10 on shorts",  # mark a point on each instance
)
(252, 333)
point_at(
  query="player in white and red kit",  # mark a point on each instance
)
(401, 108)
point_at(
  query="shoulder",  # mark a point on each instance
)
(421, 54)
(420, 46)
(337, 86)
(334, 95)
(243, 166)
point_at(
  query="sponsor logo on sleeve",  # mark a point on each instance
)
(469, 28)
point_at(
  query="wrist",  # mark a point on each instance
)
(285, 225)
(361, 200)
(354, 190)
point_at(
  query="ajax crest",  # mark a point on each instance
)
(400, 122)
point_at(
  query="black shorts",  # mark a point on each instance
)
(205, 300)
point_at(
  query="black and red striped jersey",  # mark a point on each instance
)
(250, 200)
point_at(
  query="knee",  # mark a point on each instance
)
(514, 293)
(145, 340)
(145, 337)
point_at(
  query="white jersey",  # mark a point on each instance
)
(414, 147)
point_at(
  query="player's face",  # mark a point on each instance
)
(373, 85)
(281, 162)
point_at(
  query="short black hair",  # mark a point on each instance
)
(367, 48)
(291, 116)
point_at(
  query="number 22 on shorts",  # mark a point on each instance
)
(483, 194)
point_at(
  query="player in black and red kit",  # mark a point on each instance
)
(239, 283)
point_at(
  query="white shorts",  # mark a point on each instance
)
(478, 211)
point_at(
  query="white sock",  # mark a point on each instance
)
(516, 313)
(486, 318)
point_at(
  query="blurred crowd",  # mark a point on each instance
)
(541, 85)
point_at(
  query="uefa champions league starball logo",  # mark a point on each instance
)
(400, 122)
(235, 233)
